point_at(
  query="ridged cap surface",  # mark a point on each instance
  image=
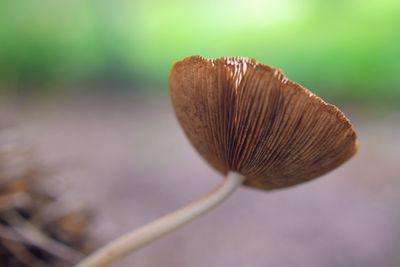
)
(247, 117)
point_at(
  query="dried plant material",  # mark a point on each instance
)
(36, 227)
(247, 117)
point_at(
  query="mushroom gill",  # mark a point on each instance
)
(247, 117)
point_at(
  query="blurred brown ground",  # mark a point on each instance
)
(127, 158)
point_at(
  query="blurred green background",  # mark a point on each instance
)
(343, 50)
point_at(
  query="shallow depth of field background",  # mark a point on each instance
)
(86, 83)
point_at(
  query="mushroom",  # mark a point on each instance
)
(252, 124)
(246, 117)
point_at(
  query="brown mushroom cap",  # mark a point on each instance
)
(247, 117)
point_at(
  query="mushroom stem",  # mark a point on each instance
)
(138, 238)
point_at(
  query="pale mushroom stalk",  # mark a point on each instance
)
(138, 238)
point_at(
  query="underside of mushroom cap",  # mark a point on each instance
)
(247, 117)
